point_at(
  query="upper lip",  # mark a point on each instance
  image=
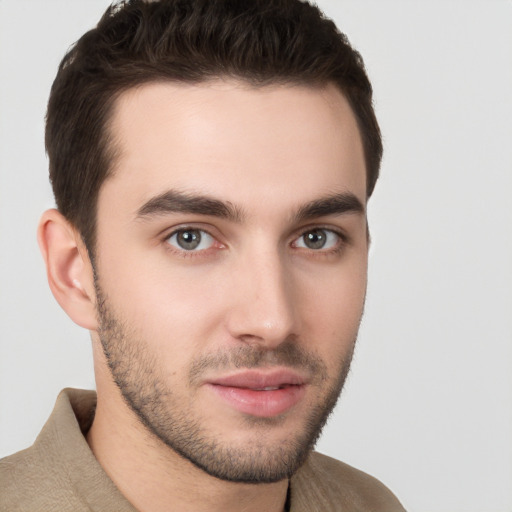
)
(260, 379)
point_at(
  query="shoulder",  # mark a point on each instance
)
(326, 484)
(26, 482)
(59, 472)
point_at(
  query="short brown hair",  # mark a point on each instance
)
(136, 41)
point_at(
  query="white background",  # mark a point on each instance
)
(428, 406)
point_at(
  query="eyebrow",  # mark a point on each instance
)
(174, 201)
(337, 204)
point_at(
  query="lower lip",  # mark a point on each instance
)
(263, 404)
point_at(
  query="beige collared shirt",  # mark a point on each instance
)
(60, 473)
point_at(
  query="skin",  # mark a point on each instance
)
(252, 295)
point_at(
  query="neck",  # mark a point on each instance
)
(152, 476)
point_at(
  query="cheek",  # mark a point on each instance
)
(172, 307)
(332, 310)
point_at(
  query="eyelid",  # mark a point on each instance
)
(166, 233)
(337, 230)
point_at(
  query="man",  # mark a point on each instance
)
(211, 163)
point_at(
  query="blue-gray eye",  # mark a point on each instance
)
(318, 239)
(190, 239)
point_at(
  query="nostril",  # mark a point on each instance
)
(251, 339)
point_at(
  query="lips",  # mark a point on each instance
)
(259, 393)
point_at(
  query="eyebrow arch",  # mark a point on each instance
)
(336, 204)
(174, 201)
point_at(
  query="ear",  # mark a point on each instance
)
(68, 268)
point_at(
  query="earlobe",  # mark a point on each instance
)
(68, 268)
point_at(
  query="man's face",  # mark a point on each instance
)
(231, 268)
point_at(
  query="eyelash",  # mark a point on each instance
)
(338, 248)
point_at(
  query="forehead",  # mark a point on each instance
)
(234, 141)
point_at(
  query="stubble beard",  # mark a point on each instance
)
(139, 378)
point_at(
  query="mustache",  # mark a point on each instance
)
(288, 354)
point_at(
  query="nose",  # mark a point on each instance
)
(263, 309)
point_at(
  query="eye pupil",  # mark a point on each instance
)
(188, 239)
(315, 239)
